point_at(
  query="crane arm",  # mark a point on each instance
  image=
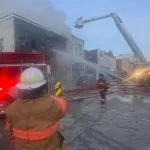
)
(127, 36)
(136, 50)
(97, 18)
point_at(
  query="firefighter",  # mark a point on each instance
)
(102, 86)
(32, 121)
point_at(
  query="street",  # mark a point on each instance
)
(123, 123)
(54, 52)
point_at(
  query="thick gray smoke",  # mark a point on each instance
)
(38, 11)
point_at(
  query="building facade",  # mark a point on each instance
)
(78, 65)
(20, 34)
(105, 60)
(124, 65)
(91, 56)
(129, 56)
(77, 46)
(7, 41)
(102, 58)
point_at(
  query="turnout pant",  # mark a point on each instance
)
(103, 94)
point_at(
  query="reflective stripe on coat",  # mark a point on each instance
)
(35, 121)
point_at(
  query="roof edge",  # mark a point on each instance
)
(28, 21)
(77, 37)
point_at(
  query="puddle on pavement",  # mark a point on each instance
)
(132, 95)
(132, 99)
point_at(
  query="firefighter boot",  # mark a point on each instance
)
(103, 101)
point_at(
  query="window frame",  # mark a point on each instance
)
(1, 44)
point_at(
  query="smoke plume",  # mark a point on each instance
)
(38, 11)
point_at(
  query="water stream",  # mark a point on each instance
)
(74, 59)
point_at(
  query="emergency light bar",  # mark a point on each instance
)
(32, 65)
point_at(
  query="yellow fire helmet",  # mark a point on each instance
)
(31, 78)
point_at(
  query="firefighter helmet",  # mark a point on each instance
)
(31, 78)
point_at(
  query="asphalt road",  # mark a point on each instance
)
(123, 123)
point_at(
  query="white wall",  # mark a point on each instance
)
(124, 64)
(77, 46)
(78, 51)
(106, 61)
(131, 57)
(7, 34)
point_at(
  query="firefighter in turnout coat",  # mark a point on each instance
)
(32, 121)
(102, 86)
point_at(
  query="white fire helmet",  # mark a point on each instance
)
(31, 78)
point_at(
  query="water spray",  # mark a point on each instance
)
(78, 59)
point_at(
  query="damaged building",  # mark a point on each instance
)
(20, 34)
(105, 60)
(78, 67)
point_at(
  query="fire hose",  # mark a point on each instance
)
(82, 91)
(94, 88)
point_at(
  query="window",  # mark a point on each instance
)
(22, 43)
(80, 51)
(33, 44)
(42, 47)
(76, 51)
(1, 44)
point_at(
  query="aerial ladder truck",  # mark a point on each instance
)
(132, 44)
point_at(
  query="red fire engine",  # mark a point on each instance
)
(11, 66)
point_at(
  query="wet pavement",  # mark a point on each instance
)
(123, 123)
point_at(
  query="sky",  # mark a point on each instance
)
(38, 11)
(104, 34)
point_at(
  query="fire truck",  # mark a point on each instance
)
(11, 66)
(141, 70)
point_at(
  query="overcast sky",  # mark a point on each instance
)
(104, 34)
(100, 34)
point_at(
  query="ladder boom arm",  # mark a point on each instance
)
(97, 18)
(135, 49)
